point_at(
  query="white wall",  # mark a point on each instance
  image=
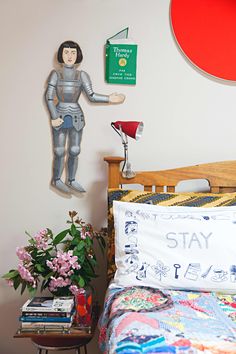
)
(189, 118)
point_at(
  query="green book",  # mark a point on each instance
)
(121, 59)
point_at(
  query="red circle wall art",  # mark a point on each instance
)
(205, 30)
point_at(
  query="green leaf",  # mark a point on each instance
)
(32, 291)
(11, 274)
(87, 272)
(89, 241)
(87, 268)
(60, 237)
(91, 261)
(43, 285)
(50, 233)
(39, 267)
(73, 230)
(75, 241)
(16, 282)
(80, 246)
(23, 287)
(48, 275)
(32, 242)
(27, 233)
(81, 257)
(81, 282)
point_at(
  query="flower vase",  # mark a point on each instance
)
(83, 306)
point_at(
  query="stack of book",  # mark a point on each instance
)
(47, 314)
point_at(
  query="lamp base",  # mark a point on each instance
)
(128, 174)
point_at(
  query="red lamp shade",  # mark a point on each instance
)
(131, 128)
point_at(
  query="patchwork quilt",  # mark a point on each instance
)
(147, 320)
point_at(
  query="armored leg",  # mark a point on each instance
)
(74, 150)
(59, 140)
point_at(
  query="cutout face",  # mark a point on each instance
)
(69, 56)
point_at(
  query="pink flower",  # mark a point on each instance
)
(64, 263)
(51, 266)
(85, 234)
(89, 234)
(43, 232)
(53, 260)
(23, 255)
(25, 274)
(41, 239)
(9, 282)
(75, 290)
(59, 282)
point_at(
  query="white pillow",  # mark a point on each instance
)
(175, 247)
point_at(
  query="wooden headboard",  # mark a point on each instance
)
(221, 176)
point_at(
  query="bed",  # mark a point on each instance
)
(171, 290)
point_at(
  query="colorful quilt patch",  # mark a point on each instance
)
(228, 304)
(195, 323)
(140, 299)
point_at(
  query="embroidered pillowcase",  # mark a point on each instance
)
(175, 247)
(205, 200)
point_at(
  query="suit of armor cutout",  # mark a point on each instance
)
(62, 95)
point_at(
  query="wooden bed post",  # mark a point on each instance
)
(113, 170)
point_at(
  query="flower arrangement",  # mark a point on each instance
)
(64, 264)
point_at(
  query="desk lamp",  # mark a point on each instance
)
(132, 129)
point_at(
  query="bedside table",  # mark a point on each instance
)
(71, 338)
(49, 341)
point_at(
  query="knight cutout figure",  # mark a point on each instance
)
(67, 119)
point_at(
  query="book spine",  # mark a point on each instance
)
(46, 309)
(107, 63)
(45, 319)
(46, 314)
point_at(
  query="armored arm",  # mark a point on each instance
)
(87, 87)
(50, 94)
